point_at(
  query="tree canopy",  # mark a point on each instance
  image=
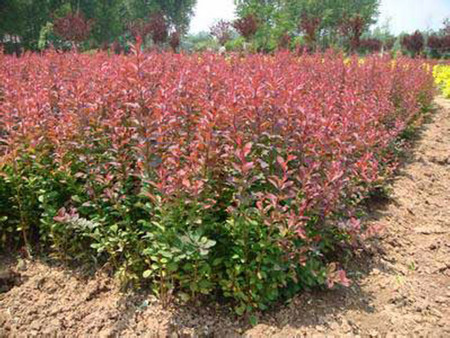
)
(325, 19)
(32, 20)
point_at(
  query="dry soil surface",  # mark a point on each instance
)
(402, 281)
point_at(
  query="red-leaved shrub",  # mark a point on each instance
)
(200, 173)
(371, 45)
(222, 32)
(73, 27)
(439, 43)
(284, 41)
(247, 26)
(156, 26)
(309, 25)
(352, 28)
(175, 40)
(413, 43)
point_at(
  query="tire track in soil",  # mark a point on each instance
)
(404, 288)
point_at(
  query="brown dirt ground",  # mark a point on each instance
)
(402, 280)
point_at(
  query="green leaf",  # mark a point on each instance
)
(167, 254)
(184, 296)
(76, 198)
(240, 309)
(217, 261)
(204, 284)
(209, 244)
(147, 273)
(172, 267)
(253, 320)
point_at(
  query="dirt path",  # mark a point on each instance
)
(403, 289)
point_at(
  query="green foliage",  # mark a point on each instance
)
(237, 44)
(200, 42)
(278, 17)
(31, 20)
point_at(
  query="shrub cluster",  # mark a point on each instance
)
(413, 43)
(442, 77)
(201, 175)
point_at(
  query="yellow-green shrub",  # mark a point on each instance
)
(442, 77)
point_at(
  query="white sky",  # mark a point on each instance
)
(409, 15)
(403, 15)
(207, 12)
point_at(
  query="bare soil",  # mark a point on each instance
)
(402, 280)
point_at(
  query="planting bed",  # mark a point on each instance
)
(202, 178)
(401, 280)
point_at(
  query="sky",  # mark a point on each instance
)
(402, 15)
(409, 15)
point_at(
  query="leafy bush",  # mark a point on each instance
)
(310, 25)
(200, 175)
(73, 27)
(442, 77)
(352, 28)
(247, 26)
(222, 32)
(236, 45)
(370, 45)
(413, 43)
(175, 41)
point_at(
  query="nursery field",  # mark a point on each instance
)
(400, 284)
(204, 194)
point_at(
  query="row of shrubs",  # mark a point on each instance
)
(201, 175)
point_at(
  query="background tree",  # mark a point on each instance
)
(438, 43)
(199, 42)
(24, 19)
(331, 14)
(108, 23)
(73, 27)
(381, 33)
(352, 29)
(309, 25)
(284, 42)
(175, 41)
(158, 28)
(222, 32)
(413, 43)
(256, 22)
(370, 45)
(30, 21)
(277, 17)
(247, 26)
(179, 12)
